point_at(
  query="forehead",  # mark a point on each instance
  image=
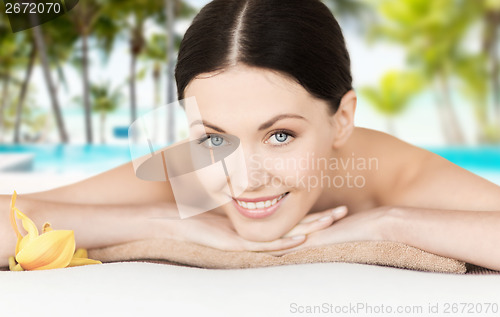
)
(247, 89)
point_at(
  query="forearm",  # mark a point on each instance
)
(116, 186)
(470, 236)
(94, 225)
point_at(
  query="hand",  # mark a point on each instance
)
(317, 221)
(361, 226)
(218, 232)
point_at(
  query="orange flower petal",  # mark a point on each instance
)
(50, 250)
(82, 261)
(13, 219)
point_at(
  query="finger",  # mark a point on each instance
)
(315, 216)
(318, 215)
(310, 227)
(279, 244)
(321, 223)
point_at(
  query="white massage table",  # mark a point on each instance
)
(150, 289)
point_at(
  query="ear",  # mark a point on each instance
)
(343, 119)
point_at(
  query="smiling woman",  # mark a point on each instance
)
(276, 75)
(276, 119)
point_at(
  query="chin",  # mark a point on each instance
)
(256, 237)
(260, 232)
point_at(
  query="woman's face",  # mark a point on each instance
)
(282, 130)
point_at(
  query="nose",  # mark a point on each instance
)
(256, 173)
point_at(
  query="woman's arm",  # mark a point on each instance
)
(446, 210)
(102, 225)
(95, 226)
(110, 208)
(117, 186)
(470, 236)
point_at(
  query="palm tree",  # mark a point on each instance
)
(104, 101)
(42, 49)
(8, 54)
(490, 41)
(30, 42)
(156, 54)
(433, 44)
(173, 9)
(34, 121)
(394, 94)
(474, 82)
(84, 16)
(134, 16)
(59, 39)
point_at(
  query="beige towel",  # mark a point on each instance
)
(368, 252)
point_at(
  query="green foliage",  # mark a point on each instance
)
(156, 48)
(395, 92)
(436, 36)
(492, 5)
(34, 118)
(9, 50)
(431, 31)
(491, 134)
(473, 74)
(103, 98)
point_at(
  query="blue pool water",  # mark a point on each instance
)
(99, 158)
(88, 159)
(485, 158)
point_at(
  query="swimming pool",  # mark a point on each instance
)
(93, 159)
(482, 160)
(88, 159)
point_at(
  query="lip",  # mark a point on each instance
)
(253, 200)
(259, 213)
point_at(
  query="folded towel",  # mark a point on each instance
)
(384, 253)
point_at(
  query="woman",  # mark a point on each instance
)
(276, 74)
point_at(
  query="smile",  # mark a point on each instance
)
(259, 207)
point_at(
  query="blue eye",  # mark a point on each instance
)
(212, 140)
(280, 138)
(217, 140)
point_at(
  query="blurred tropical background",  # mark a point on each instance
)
(427, 72)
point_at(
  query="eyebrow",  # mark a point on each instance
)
(269, 123)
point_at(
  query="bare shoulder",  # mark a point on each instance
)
(398, 163)
(378, 141)
(411, 176)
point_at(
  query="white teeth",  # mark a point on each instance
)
(260, 204)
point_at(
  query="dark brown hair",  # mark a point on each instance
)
(299, 38)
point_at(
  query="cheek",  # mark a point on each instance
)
(300, 168)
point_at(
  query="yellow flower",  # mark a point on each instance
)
(51, 250)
